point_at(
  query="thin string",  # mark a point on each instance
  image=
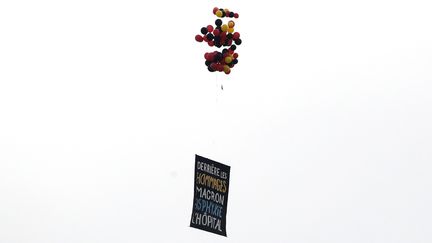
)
(216, 112)
(217, 84)
(213, 134)
(217, 109)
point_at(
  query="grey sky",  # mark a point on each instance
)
(325, 121)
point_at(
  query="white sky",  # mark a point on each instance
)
(325, 121)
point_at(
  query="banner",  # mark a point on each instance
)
(210, 196)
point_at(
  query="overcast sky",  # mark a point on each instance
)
(325, 121)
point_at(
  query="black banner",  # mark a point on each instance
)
(210, 196)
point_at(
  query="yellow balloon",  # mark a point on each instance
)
(231, 24)
(227, 69)
(219, 13)
(228, 59)
(230, 30)
(224, 28)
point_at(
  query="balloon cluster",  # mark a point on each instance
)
(221, 35)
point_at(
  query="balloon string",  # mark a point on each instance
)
(217, 84)
(215, 111)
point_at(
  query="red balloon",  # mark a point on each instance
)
(236, 15)
(199, 38)
(209, 57)
(223, 36)
(209, 28)
(214, 66)
(216, 32)
(211, 43)
(205, 38)
(236, 35)
(235, 55)
(215, 9)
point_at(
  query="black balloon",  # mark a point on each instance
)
(219, 56)
(210, 36)
(204, 30)
(238, 42)
(218, 22)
